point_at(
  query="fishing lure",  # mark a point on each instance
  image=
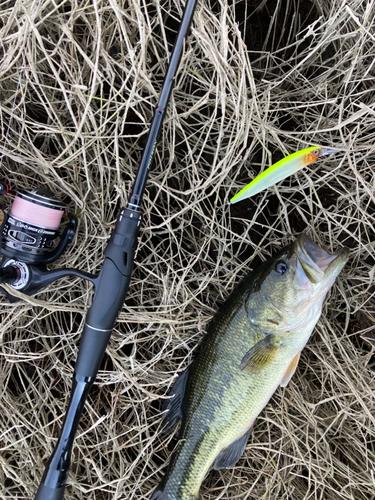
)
(282, 169)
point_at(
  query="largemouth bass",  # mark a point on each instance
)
(252, 346)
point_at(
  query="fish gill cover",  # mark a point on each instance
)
(257, 82)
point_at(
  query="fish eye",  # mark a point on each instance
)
(281, 267)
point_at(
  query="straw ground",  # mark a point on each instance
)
(78, 83)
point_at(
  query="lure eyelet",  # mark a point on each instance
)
(316, 152)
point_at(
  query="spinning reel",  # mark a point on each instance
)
(31, 238)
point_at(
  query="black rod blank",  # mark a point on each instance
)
(157, 121)
(110, 289)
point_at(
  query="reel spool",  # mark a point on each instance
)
(30, 231)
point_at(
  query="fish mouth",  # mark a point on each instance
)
(318, 264)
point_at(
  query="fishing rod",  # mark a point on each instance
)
(28, 243)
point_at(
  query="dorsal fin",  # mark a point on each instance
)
(173, 406)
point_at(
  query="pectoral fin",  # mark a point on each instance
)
(261, 354)
(229, 456)
(290, 371)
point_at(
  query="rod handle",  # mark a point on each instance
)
(46, 493)
(113, 281)
(91, 351)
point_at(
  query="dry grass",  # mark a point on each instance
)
(78, 82)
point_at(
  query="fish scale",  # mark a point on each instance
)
(244, 356)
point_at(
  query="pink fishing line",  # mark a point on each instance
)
(36, 214)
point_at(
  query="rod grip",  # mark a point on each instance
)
(91, 351)
(46, 493)
(110, 291)
(113, 281)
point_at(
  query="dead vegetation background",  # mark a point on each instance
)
(258, 80)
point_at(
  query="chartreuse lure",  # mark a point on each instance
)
(282, 169)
